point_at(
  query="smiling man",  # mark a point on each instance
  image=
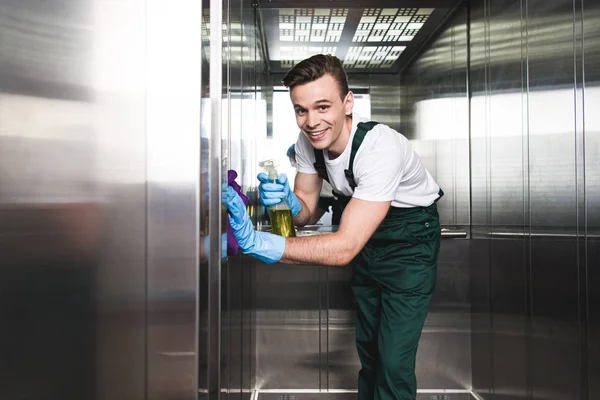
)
(389, 230)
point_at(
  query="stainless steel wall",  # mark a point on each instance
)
(99, 122)
(534, 147)
(175, 243)
(434, 115)
(385, 96)
(244, 72)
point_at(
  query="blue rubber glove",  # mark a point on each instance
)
(223, 245)
(264, 246)
(272, 193)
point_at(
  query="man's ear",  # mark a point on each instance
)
(349, 103)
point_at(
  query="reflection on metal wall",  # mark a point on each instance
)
(534, 75)
(385, 96)
(98, 199)
(434, 116)
(244, 68)
(72, 203)
(591, 122)
(305, 327)
(174, 173)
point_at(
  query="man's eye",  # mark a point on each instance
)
(299, 112)
(323, 108)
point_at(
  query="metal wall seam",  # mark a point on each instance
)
(214, 172)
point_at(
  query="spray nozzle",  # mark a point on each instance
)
(269, 167)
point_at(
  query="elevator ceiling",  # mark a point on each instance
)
(380, 39)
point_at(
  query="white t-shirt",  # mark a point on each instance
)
(386, 168)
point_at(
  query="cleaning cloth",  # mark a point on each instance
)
(232, 243)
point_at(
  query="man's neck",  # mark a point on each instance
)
(343, 139)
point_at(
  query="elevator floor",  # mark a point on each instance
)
(353, 396)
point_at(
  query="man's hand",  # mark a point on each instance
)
(273, 193)
(264, 246)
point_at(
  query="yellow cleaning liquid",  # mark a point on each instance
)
(282, 222)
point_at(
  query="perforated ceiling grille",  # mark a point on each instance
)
(290, 55)
(390, 24)
(311, 25)
(377, 41)
(372, 56)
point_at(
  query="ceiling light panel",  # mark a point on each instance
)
(390, 24)
(291, 55)
(372, 56)
(316, 25)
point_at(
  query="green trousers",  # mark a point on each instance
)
(394, 277)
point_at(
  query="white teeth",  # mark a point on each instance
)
(317, 133)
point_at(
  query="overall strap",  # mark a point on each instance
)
(320, 165)
(359, 136)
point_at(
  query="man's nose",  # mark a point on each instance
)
(312, 120)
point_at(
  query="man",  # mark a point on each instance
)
(326, 198)
(389, 228)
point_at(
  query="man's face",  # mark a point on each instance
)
(321, 113)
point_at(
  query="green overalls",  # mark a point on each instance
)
(393, 280)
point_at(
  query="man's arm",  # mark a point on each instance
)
(307, 188)
(317, 214)
(359, 221)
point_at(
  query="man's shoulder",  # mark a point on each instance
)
(384, 134)
(303, 143)
(304, 150)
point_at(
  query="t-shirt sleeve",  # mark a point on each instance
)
(379, 165)
(305, 156)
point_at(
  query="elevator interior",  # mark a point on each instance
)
(120, 119)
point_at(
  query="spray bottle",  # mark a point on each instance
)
(282, 221)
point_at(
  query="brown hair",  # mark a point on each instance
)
(315, 67)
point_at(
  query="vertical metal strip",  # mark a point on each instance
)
(488, 197)
(579, 91)
(470, 116)
(214, 171)
(455, 116)
(526, 195)
(327, 316)
(320, 319)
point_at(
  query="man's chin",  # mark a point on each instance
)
(319, 145)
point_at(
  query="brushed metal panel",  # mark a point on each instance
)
(554, 345)
(508, 200)
(72, 200)
(435, 116)
(593, 317)
(509, 317)
(555, 354)
(52, 57)
(236, 334)
(481, 317)
(173, 202)
(306, 342)
(229, 131)
(214, 133)
(591, 63)
(287, 305)
(385, 99)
